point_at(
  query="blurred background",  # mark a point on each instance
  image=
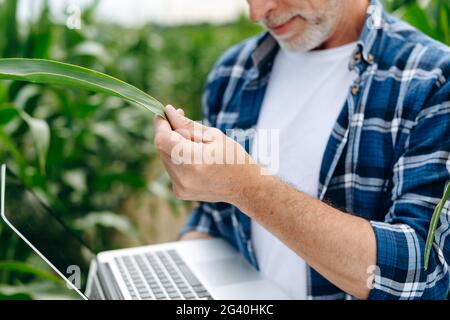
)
(101, 172)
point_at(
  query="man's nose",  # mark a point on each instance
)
(259, 9)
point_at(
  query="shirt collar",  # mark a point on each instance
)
(267, 46)
(266, 49)
(369, 39)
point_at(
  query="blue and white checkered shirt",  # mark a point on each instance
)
(387, 159)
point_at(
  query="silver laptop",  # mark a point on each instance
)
(190, 270)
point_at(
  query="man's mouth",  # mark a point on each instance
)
(284, 27)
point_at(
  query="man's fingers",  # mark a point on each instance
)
(161, 124)
(166, 142)
(178, 141)
(178, 120)
(165, 138)
(186, 127)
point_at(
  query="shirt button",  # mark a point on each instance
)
(357, 57)
(371, 58)
(355, 90)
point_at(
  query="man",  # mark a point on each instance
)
(360, 103)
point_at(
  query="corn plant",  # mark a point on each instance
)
(84, 152)
(62, 74)
(52, 72)
(434, 224)
(430, 16)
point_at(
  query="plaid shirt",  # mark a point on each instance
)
(387, 159)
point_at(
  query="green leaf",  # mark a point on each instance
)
(40, 131)
(444, 16)
(67, 75)
(418, 17)
(7, 115)
(37, 291)
(433, 225)
(25, 268)
(3, 93)
(9, 35)
(26, 94)
(9, 293)
(41, 137)
(8, 144)
(106, 220)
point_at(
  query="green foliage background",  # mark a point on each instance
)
(101, 151)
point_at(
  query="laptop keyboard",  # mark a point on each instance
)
(160, 275)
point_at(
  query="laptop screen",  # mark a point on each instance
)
(44, 232)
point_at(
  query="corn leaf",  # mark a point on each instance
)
(433, 225)
(38, 290)
(40, 132)
(41, 137)
(107, 220)
(62, 74)
(26, 268)
(7, 114)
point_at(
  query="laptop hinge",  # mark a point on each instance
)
(108, 283)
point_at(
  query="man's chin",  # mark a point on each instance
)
(301, 41)
(289, 43)
(293, 49)
(284, 38)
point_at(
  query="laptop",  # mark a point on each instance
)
(186, 270)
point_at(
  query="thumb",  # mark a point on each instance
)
(186, 127)
(181, 112)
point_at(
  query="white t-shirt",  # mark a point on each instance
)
(304, 97)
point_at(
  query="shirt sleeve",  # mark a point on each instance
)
(419, 178)
(200, 220)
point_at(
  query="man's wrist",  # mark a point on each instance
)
(246, 183)
(195, 235)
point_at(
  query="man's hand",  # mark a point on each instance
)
(339, 246)
(203, 163)
(195, 235)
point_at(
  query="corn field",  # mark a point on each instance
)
(101, 173)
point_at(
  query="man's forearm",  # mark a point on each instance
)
(338, 245)
(195, 235)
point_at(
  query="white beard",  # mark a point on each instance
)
(317, 30)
